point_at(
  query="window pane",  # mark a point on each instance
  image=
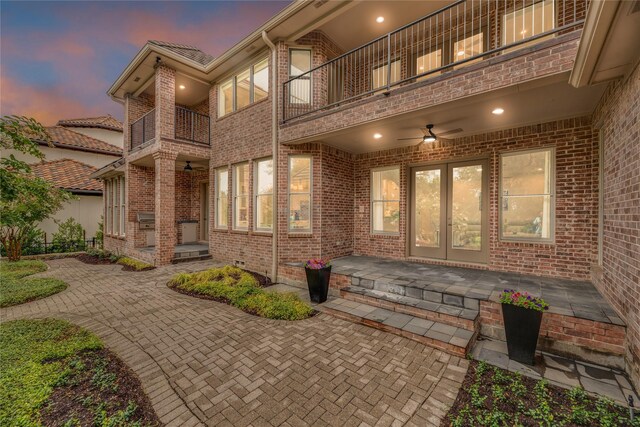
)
(466, 48)
(222, 204)
(225, 98)
(241, 196)
(379, 77)
(526, 173)
(386, 217)
(300, 212)
(264, 211)
(428, 62)
(526, 217)
(386, 184)
(243, 83)
(466, 206)
(260, 80)
(427, 208)
(528, 22)
(265, 177)
(300, 62)
(299, 174)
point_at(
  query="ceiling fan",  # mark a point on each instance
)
(429, 135)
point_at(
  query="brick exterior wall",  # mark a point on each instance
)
(618, 117)
(575, 246)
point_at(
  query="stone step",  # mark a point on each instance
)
(191, 258)
(465, 318)
(453, 340)
(458, 296)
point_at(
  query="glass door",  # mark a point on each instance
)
(204, 212)
(448, 208)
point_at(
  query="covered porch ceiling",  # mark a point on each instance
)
(534, 102)
(189, 90)
(198, 164)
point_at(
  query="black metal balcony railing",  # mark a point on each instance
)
(143, 129)
(463, 32)
(192, 126)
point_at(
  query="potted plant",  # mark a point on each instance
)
(522, 315)
(318, 276)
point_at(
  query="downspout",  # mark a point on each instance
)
(274, 149)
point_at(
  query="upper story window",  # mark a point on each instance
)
(385, 200)
(222, 198)
(528, 21)
(264, 195)
(246, 87)
(300, 193)
(241, 196)
(527, 191)
(299, 64)
(379, 74)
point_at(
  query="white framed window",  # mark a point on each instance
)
(385, 200)
(222, 198)
(468, 47)
(263, 195)
(300, 193)
(116, 206)
(529, 21)
(107, 206)
(428, 61)
(122, 208)
(527, 187)
(247, 86)
(379, 74)
(300, 65)
(241, 196)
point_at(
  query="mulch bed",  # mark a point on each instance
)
(86, 393)
(264, 281)
(92, 259)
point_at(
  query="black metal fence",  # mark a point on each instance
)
(42, 247)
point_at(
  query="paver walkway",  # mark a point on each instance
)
(206, 363)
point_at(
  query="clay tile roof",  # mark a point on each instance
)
(68, 174)
(189, 52)
(67, 138)
(104, 122)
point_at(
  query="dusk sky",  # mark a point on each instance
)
(59, 58)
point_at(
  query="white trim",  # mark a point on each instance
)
(217, 199)
(372, 229)
(235, 196)
(289, 193)
(256, 194)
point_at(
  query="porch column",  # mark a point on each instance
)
(165, 102)
(165, 183)
(139, 183)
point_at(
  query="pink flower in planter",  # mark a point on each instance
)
(317, 264)
(523, 299)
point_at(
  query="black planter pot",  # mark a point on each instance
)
(522, 327)
(318, 283)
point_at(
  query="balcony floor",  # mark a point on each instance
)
(567, 297)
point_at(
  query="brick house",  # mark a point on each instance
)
(309, 138)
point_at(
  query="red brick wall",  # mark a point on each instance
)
(337, 202)
(575, 244)
(140, 182)
(618, 117)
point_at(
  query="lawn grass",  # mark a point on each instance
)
(55, 373)
(17, 288)
(238, 288)
(491, 396)
(134, 264)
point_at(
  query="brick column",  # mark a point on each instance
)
(165, 204)
(140, 197)
(165, 102)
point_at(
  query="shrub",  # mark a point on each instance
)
(240, 289)
(69, 237)
(130, 262)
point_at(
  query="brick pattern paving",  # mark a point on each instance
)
(205, 363)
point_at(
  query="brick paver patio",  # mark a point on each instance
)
(206, 363)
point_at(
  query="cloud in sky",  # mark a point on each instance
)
(59, 58)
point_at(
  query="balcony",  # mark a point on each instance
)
(464, 32)
(190, 126)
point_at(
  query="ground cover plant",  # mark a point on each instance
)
(131, 264)
(241, 289)
(494, 397)
(17, 288)
(55, 373)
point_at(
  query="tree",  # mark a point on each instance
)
(25, 200)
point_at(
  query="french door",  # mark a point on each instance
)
(449, 211)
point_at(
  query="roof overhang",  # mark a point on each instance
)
(112, 169)
(298, 18)
(610, 43)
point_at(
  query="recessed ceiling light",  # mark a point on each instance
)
(182, 87)
(377, 135)
(497, 111)
(380, 19)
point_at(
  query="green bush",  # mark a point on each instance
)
(133, 263)
(69, 237)
(242, 290)
(17, 288)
